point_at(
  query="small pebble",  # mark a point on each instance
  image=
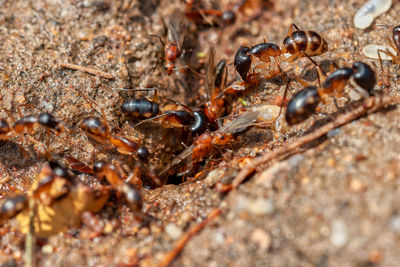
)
(261, 238)
(339, 236)
(261, 206)
(47, 249)
(395, 224)
(173, 231)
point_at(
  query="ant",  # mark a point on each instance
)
(199, 15)
(27, 125)
(304, 103)
(216, 76)
(172, 48)
(53, 183)
(242, 63)
(100, 132)
(171, 115)
(301, 43)
(103, 170)
(58, 201)
(205, 143)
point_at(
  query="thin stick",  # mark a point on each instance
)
(370, 105)
(30, 237)
(88, 70)
(171, 255)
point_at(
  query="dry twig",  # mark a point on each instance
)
(170, 256)
(370, 105)
(86, 69)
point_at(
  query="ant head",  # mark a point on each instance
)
(228, 17)
(169, 67)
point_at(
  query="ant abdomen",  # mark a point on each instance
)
(140, 108)
(308, 42)
(302, 105)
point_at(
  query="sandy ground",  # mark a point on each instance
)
(334, 203)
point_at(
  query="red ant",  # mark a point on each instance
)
(206, 142)
(215, 80)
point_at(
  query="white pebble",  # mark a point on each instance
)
(261, 206)
(173, 231)
(371, 51)
(47, 249)
(339, 236)
(395, 224)
(369, 11)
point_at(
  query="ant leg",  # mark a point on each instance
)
(283, 99)
(92, 102)
(302, 81)
(319, 77)
(315, 63)
(46, 152)
(159, 37)
(291, 29)
(21, 148)
(336, 103)
(292, 57)
(386, 82)
(287, 85)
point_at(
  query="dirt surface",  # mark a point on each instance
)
(334, 203)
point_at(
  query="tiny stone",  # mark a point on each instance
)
(339, 236)
(261, 238)
(173, 231)
(395, 224)
(47, 249)
(261, 206)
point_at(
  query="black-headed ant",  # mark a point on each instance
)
(28, 124)
(304, 103)
(100, 132)
(171, 115)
